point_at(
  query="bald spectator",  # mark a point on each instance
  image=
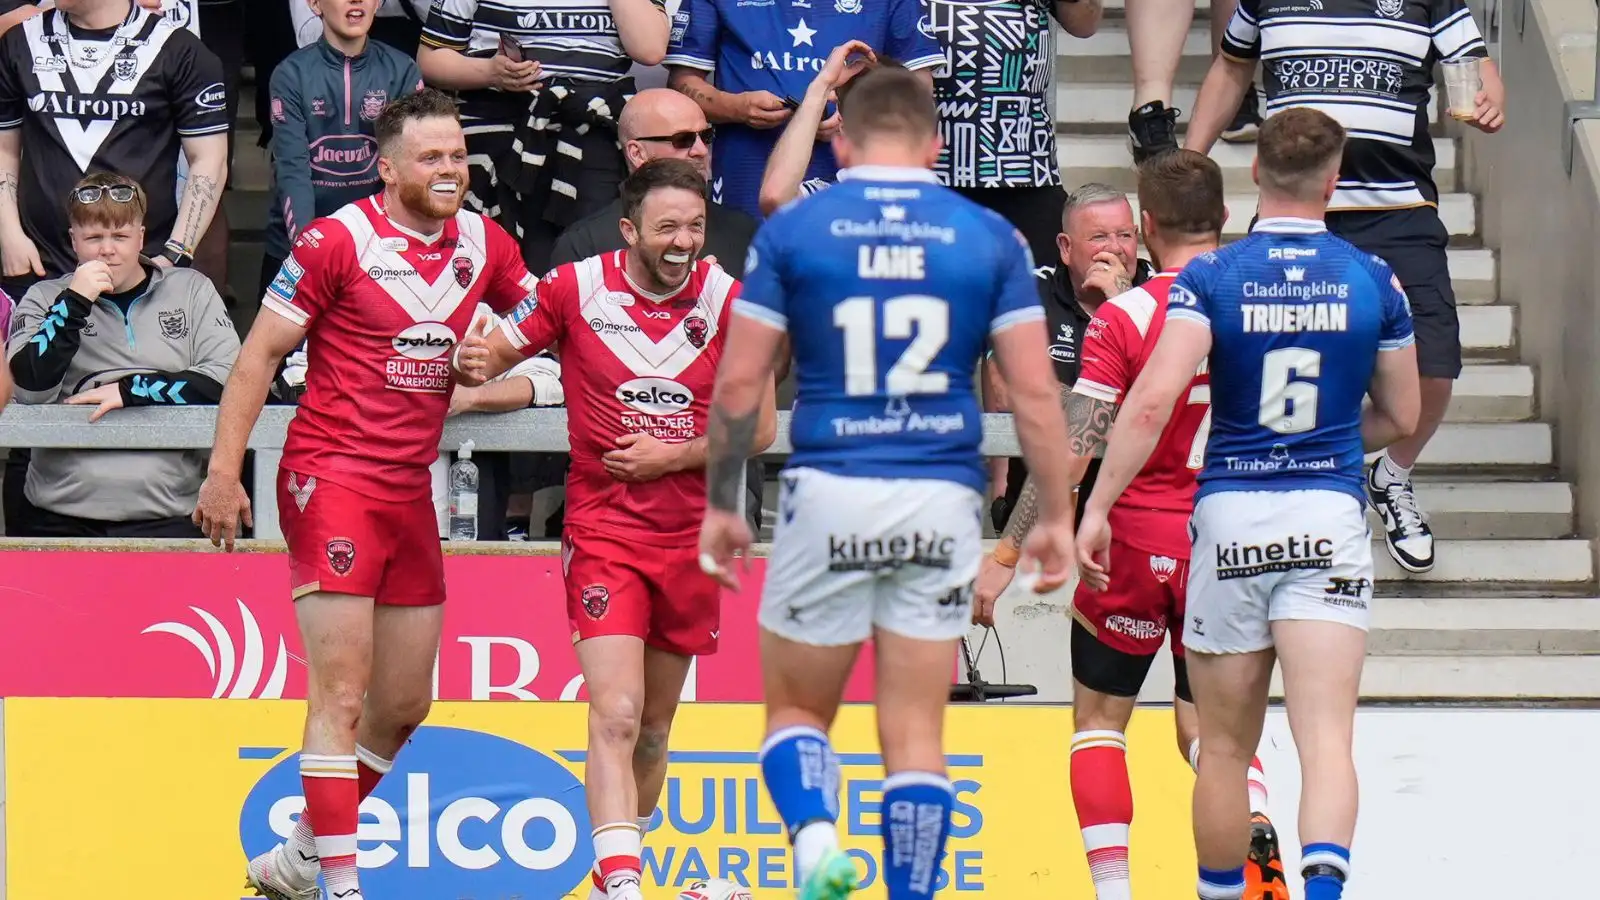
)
(661, 123)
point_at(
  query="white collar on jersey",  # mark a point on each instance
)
(887, 173)
(377, 203)
(1291, 225)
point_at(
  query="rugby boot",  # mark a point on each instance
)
(834, 878)
(272, 877)
(1263, 870)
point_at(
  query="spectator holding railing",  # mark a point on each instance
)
(120, 331)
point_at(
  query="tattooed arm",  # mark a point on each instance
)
(20, 255)
(1088, 422)
(202, 194)
(742, 408)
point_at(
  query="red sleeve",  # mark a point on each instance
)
(1106, 371)
(306, 284)
(540, 318)
(509, 280)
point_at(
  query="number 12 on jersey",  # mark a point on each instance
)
(922, 319)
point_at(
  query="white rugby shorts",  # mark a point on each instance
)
(853, 554)
(1264, 556)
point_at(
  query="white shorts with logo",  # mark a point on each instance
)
(852, 554)
(1262, 556)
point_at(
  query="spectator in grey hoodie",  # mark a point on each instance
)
(118, 332)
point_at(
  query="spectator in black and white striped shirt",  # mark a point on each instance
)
(542, 82)
(1369, 64)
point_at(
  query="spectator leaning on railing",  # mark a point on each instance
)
(120, 331)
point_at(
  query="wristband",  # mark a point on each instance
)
(177, 254)
(1005, 554)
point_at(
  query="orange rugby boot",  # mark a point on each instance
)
(1263, 870)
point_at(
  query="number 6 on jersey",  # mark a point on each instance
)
(925, 317)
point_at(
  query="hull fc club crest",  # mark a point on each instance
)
(596, 601)
(372, 103)
(125, 68)
(341, 555)
(463, 269)
(174, 324)
(696, 329)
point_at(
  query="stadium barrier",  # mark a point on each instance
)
(523, 431)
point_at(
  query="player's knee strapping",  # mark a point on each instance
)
(916, 806)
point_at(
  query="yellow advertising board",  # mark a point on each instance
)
(486, 803)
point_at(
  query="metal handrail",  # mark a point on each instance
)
(192, 428)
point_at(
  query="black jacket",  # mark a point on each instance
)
(728, 236)
(1067, 319)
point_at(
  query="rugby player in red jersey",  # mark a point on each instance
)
(1121, 614)
(382, 291)
(641, 332)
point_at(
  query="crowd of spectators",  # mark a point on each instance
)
(559, 100)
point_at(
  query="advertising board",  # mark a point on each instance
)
(208, 624)
(486, 802)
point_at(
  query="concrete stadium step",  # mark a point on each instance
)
(1493, 510)
(1473, 275)
(1485, 626)
(1476, 445)
(1501, 562)
(252, 165)
(1106, 58)
(1106, 158)
(1507, 677)
(1494, 646)
(1458, 211)
(1492, 392)
(1487, 330)
(1105, 107)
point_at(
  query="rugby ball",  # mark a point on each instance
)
(714, 889)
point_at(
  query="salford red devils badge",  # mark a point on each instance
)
(463, 270)
(341, 555)
(696, 329)
(596, 601)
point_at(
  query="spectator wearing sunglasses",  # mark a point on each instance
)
(120, 331)
(661, 123)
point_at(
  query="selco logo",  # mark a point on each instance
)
(511, 824)
(655, 396)
(424, 340)
(212, 97)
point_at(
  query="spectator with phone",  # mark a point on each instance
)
(760, 57)
(541, 91)
(785, 177)
(120, 331)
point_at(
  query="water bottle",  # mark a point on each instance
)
(464, 496)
